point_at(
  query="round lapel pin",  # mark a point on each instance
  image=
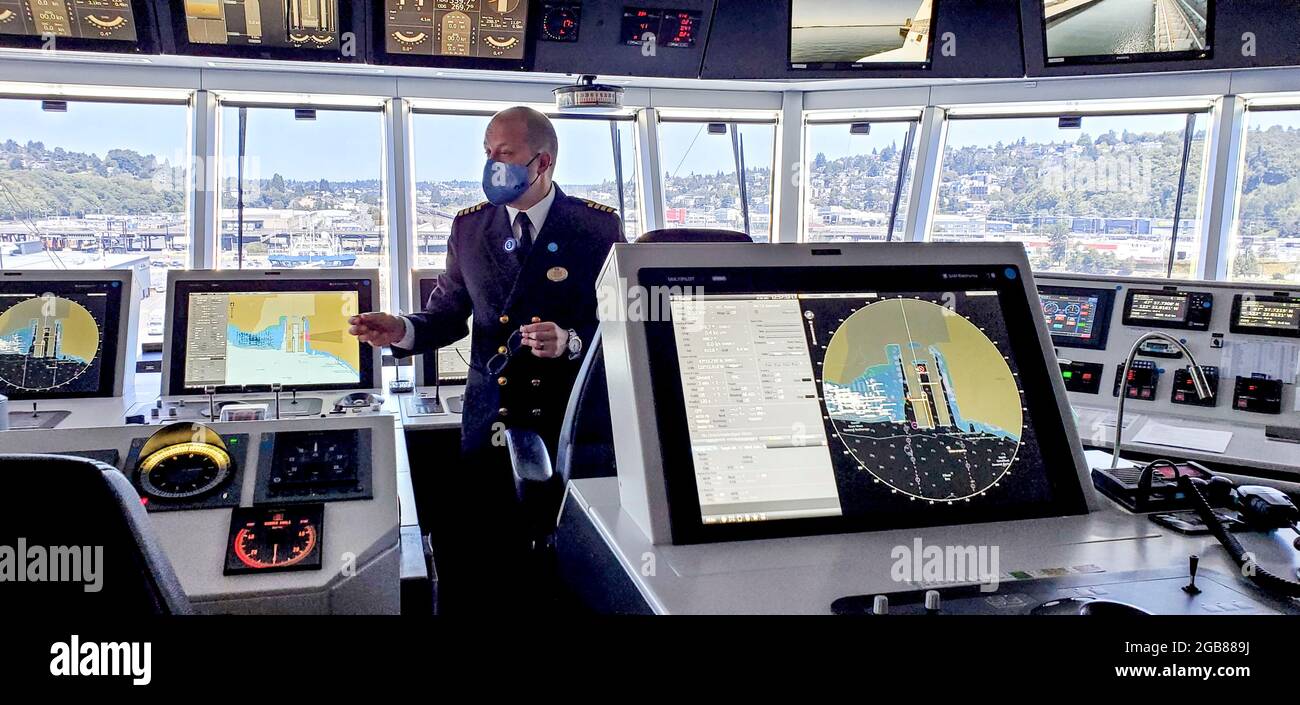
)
(510, 245)
(557, 274)
(552, 247)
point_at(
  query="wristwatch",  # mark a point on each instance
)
(574, 345)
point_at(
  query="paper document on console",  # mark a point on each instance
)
(1202, 439)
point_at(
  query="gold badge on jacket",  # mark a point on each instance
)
(557, 274)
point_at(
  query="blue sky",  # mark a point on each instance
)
(96, 127)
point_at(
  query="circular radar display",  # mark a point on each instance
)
(922, 399)
(47, 342)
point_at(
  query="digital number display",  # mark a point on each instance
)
(1158, 307)
(666, 28)
(77, 19)
(485, 29)
(1266, 315)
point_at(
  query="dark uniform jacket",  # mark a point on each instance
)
(556, 283)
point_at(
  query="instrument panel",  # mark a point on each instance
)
(265, 540)
(187, 466)
(112, 20)
(485, 29)
(316, 465)
(235, 554)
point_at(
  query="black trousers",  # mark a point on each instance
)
(488, 564)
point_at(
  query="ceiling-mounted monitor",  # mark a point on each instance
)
(492, 34)
(304, 30)
(860, 34)
(1120, 31)
(77, 25)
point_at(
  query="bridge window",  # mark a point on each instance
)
(856, 179)
(1099, 198)
(96, 185)
(700, 161)
(1266, 244)
(595, 155)
(302, 189)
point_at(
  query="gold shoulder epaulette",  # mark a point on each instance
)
(472, 209)
(599, 206)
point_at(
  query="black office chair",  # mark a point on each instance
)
(586, 445)
(57, 502)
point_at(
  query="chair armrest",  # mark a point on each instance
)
(528, 455)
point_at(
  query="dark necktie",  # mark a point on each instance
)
(525, 234)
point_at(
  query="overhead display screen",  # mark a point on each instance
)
(112, 20)
(864, 409)
(476, 29)
(843, 34)
(1094, 31)
(1266, 315)
(668, 28)
(292, 24)
(1077, 317)
(58, 339)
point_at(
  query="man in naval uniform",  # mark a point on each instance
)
(524, 264)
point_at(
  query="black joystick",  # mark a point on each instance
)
(1193, 561)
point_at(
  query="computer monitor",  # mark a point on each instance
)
(245, 330)
(861, 387)
(292, 30)
(123, 26)
(450, 365)
(492, 34)
(66, 334)
(858, 34)
(1077, 317)
(1124, 31)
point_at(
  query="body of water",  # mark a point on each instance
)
(1114, 27)
(841, 44)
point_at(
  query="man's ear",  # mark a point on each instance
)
(545, 162)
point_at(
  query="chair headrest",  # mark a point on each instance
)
(694, 235)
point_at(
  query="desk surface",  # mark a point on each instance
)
(805, 575)
(1249, 447)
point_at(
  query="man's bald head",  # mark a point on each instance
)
(537, 130)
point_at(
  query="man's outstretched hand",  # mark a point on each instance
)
(378, 329)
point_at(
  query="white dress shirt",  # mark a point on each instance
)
(536, 215)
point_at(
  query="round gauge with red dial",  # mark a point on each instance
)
(264, 540)
(560, 22)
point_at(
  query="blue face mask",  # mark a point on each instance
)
(504, 182)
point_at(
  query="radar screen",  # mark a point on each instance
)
(484, 29)
(79, 19)
(296, 338)
(294, 24)
(58, 339)
(873, 409)
(275, 539)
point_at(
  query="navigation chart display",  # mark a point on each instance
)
(53, 338)
(306, 24)
(486, 29)
(882, 407)
(80, 19)
(296, 338)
